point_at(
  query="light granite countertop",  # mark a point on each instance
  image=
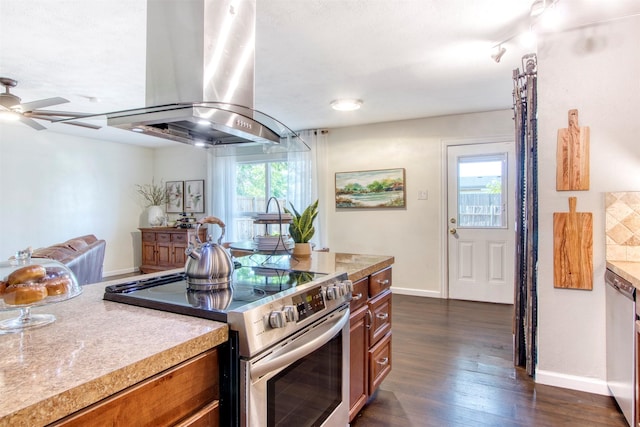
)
(96, 348)
(627, 270)
(356, 266)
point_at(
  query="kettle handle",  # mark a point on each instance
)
(211, 220)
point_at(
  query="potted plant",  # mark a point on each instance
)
(154, 196)
(301, 229)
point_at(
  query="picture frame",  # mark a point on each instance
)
(380, 189)
(194, 196)
(175, 196)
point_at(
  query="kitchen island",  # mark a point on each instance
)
(98, 348)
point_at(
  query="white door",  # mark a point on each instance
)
(480, 221)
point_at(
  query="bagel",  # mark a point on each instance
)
(24, 293)
(27, 274)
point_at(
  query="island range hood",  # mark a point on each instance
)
(200, 78)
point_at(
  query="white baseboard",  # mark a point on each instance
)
(573, 382)
(107, 274)
(415, 292)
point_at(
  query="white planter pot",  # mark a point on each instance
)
(155, 215)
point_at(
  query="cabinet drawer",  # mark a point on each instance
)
(161, 400)
(379, 363)
(148, 237)
(360, 292)
(179, 238)
(209, 416)
(380, 281)
(163, 237)
(380, 308)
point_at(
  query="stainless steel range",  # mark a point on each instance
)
(288, 353)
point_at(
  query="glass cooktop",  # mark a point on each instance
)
(170, 293)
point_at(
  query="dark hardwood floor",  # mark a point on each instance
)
(452, 366)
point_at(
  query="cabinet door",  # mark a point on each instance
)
(380, 308)
(179, 257)
(180, 393)
(163, 246)
(165, 251)
(148, 252)
(358, 379)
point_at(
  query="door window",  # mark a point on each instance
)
(481, 184)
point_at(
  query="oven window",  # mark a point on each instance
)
(307, 392)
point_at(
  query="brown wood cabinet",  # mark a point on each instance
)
(370, 345)
(163, 248)
(185, 395)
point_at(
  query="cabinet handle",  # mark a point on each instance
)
(370, 316)
(383, 282)
(384, 361)
(382, 316)
(356, 297)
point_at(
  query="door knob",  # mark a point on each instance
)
(452, 231)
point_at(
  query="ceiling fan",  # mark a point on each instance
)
(12, 109)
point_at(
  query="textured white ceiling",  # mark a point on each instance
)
(404, 58)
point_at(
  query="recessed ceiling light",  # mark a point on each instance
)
(139, 130)
(346, 104)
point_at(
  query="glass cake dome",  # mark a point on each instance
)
(26, 282)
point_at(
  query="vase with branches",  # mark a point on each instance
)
(155, 196)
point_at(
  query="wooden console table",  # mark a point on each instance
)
(163, 248)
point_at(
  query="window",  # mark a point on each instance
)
(256, 182)
(481, 183)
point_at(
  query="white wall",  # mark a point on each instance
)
(595, 70)
(54, 187)
(412, 235)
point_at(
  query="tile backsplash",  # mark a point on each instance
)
(622, 221)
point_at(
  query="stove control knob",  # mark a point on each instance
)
(332, 292)
(277, 319)
(290, 313)
(348, 285)
(341, 288)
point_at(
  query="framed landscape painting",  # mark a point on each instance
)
(383, 188)
(194, 196)
(175, 196)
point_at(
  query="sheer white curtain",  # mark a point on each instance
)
(222, 193)
(305, 171)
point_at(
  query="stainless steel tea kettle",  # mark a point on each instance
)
(208, 266)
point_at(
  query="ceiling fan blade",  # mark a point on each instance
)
(33, 105)
(84, 125)
(73, 114)
(30, 122)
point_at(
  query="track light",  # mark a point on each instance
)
(497, 56)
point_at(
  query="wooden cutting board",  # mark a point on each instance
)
(572, 167)
(573, 248)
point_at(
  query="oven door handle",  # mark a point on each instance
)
(312, 341)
